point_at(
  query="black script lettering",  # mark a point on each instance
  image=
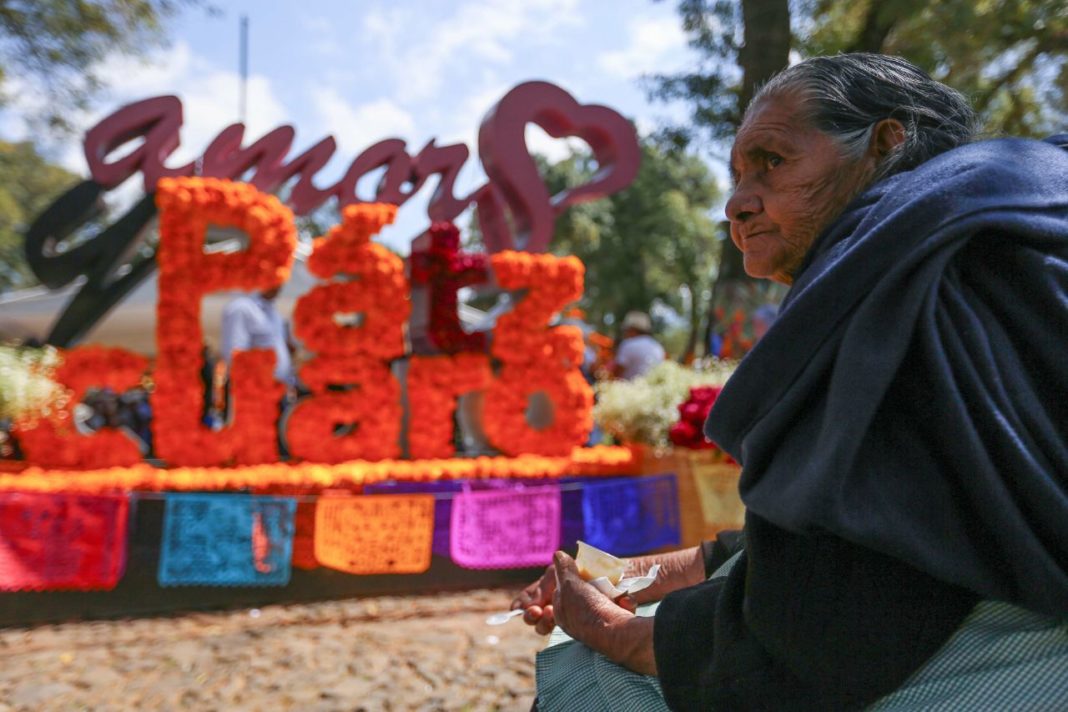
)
(103, 259)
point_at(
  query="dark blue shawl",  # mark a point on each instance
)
(912, 397)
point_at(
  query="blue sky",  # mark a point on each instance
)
(410, 69)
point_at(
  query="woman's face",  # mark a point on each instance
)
(790, 181)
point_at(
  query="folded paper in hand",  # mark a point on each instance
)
(627, 586)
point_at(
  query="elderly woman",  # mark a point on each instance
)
(902, 428)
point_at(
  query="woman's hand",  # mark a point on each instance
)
(580, 609)
(678, 570)
(587, 615)
(536, 600)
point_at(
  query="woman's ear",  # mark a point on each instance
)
(888, 134)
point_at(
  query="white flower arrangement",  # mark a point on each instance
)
(642, 410)
(27, 389)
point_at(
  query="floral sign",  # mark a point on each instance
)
(351, 377)
(515, 209)
(373, 396)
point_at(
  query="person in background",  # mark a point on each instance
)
(209, 415)
(104, 408)
(638, 351)
(252, 322)
(577, 318)
(135, 413)
(763, 318)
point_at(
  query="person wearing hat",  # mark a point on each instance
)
(638, 351)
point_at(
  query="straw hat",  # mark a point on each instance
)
(639, 321)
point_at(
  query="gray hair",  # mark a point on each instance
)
(845, 96)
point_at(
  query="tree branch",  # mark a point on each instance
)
(1019, 68)
(878, 22)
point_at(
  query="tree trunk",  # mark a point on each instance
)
(767, 45)
(690, 352)
(878, 22)
(731, 269)
(765, 52)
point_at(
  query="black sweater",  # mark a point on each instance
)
(800, 623)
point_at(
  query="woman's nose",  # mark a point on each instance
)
(743, 204)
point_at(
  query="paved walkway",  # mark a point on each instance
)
(388, 653)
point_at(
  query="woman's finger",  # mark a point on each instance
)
(547, 621)
(527, 597)
(564, 564)
(538, 593)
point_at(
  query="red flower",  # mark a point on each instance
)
(705, 394)
(688, 432)
(444, 269)
(683, 434)
(692, 412)
(355, 357)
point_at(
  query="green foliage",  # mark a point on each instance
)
(651, 242)
(643, 243)
(28, 185)
(710, 87)
(57, 44)
(1010, 57)
(717, 88)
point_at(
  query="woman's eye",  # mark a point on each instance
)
(773, 160)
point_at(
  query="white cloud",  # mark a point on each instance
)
(484, 30)
(388, 28)
(356, 127)
(555, 149)
(316, 25)
(145, 76)
(652, 44)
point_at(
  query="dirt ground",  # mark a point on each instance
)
(387, 653)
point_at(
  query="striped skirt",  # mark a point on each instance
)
(1001, 658)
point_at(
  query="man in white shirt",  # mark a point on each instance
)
(250, 321)
(638, 351)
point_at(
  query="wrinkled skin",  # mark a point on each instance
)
(790, 182)
(536, 602)
(561, 597)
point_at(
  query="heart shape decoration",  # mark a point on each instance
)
(513, 173)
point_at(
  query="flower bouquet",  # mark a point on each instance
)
(661, 416)
(642, 411)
